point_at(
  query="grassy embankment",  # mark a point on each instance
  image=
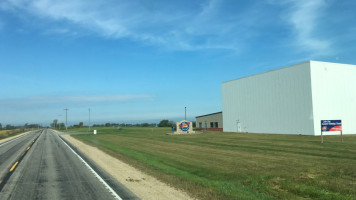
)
(217, 165)
(8, 133)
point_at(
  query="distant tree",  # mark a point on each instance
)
(172, 124)
(0, 126)
(166, 123)
(61, 125)
(163, 123)
(81, 124)
(107, 124)
(9, 127)
(31, 125)
(54, 123)
(115, 124)
(145, 124)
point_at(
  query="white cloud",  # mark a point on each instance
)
(203, 27)
(305, 17)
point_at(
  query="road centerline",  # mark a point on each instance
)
(13, 168)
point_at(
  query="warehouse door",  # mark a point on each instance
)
(238, 126)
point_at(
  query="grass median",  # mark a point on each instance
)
(215, 165)
(9, 133)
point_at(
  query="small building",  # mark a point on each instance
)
(210, 122)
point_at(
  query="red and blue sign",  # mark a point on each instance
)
(184, 126)
(331, 125)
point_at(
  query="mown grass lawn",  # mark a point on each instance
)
(215, 165)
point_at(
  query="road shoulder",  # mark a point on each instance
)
(141, 184)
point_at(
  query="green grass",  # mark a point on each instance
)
(9, 133)
(216, 165)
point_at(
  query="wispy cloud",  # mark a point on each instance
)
(62, 31)
(305, 16)
(55, 100)
(206, 26)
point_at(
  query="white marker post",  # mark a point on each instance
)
(94, 132)
(342, 140)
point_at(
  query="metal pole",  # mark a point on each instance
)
(66, 117)
(185, 113)
(322, 140)
(89, 120)
(342, 140)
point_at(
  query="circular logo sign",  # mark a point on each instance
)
(184, 126)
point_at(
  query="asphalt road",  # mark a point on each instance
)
(40, 165)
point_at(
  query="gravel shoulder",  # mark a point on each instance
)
(141, 184)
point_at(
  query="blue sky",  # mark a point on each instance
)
(145, 60)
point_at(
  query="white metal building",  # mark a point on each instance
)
(292, 100)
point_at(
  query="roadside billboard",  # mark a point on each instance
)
(331, 125)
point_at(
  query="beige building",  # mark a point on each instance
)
(210, 122)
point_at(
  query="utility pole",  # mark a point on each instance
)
(66, 116)
(185, 113)
(89, 120)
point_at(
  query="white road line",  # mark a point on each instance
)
(2, 144)
(94, 172)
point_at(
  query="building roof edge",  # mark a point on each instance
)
(209, 114)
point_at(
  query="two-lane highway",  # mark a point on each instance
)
(11, 150)
(51, 169)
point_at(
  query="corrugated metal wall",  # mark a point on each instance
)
(334, 95)
(278, 101)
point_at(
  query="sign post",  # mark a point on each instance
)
(331, 125)
(342, 140)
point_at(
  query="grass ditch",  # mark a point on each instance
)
(216, 165)
(9, 133)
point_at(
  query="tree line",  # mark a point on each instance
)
(56, 125)
(11, 127)
(125, 125)
(162, 123)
